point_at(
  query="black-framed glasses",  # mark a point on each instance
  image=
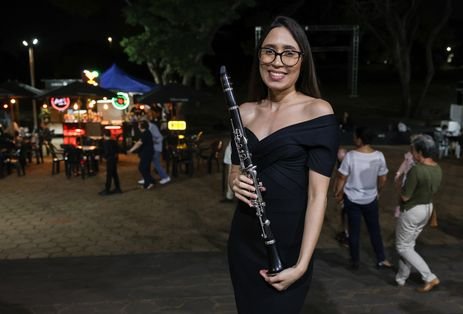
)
(288, 57)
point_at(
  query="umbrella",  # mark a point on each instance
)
(78, 89)
(13, 89)
(5, 93)
(170, 93)
(18, 90)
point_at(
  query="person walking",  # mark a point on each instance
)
(157, 147)
(110, 153)
(293, 136)
(422, 182)
(144, 147)
(361, 177)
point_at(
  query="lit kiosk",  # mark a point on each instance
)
(114, 113)
(75, 111)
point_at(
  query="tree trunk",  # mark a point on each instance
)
(153, 70)
(402, 62)
(430, 69)
(166, 74)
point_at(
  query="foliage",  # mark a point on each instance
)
(175, 35)
(399, 26)
(44, 114)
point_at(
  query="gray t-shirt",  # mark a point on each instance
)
(157, 137)
(362, 171)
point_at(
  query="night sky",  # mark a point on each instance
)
(68, 43)
(73, 40)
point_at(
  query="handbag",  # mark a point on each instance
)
(433, 219)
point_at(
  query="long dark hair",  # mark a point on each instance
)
(307, 82)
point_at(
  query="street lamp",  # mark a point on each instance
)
(30, 45)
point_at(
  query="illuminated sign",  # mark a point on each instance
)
(176, 125)
(60, 104)
(90, 77)
(121, 101)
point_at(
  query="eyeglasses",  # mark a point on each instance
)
(288, 57)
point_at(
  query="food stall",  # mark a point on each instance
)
(75, 112)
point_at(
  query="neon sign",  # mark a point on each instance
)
(90, 77)
(121, 101)
(60, 104)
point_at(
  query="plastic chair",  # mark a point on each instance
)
(182, 158)
(212, 154)
(58, 156)
(442, 142)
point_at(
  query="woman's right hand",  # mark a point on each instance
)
(244, 189)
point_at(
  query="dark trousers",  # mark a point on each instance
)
(371, 216)
(145, 169)
(111, 174)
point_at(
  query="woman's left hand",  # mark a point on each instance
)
(282, 280)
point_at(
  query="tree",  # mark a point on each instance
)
(399, 25)
(175, 35)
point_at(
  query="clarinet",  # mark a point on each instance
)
(274, 262)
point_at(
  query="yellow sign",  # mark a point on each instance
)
(90, 77)
(176, 125)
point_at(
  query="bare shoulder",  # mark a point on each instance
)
(317, 107)
(248, 111)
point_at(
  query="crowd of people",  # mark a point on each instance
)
(18, 147)
(361, 176)
(293, 138)
(149, 147)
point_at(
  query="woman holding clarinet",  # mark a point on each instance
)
(292, 135)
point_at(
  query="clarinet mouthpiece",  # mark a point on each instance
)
(223, 70)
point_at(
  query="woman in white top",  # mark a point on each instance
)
(361, 176)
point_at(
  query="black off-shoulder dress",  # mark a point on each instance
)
(283, 160)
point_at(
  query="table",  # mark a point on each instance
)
(90, 156)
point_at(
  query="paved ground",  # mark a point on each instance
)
(65, 249)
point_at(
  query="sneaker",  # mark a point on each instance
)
(165, 180)
(342, 239)
(116, 191)
(384, 264)
(400, 283)
(141, 181)
(345, 242)
(149, 187)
